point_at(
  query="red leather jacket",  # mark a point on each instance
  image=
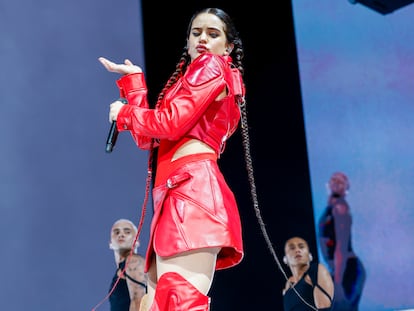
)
(189, 108)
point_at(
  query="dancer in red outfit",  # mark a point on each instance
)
(196, 226)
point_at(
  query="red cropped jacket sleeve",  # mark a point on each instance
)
(189, 107)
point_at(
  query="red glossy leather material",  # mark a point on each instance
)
(194, 208)
(134, 88)
(174, 293)
(200, 211)
(189, 108)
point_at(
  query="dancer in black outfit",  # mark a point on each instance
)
(129, 284)
(310, 287)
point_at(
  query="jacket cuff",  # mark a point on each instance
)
(131, 82)
(123, 120)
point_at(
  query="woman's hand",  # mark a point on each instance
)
(114, 109)
(126, 68)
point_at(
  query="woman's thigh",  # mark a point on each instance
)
(196, 266)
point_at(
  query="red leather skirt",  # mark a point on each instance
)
(194, 208)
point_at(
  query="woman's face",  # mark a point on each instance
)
(207, 35)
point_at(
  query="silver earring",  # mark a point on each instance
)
(285, 260)
(310, 257)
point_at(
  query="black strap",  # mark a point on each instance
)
(313, 274)
(121, 267)
(135, 281)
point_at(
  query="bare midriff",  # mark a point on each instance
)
(173, 155)
(191, 147)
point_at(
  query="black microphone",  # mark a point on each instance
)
(112, 136)
(113, 132)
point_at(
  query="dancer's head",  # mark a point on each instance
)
(122, 237)
(297, 252)
(338, 184)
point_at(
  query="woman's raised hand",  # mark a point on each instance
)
(126, 68)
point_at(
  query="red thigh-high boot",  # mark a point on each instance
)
(174, 293)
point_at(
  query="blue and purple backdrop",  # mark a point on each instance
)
(357, 82)
(60, 192)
